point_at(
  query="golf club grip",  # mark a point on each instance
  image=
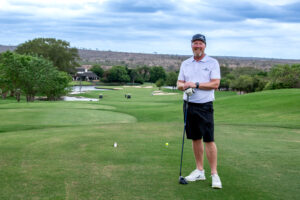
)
(185, 117)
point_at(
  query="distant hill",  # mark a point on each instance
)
(169, 62)
(6, 48)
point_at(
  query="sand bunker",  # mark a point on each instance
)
(162, 93)
(133, 86)
(127, 86)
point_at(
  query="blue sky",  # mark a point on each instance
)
(247, 28)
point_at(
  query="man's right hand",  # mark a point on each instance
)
(189, 85)
(181, 85)
(189, 91)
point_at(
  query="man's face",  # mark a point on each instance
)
(198, 48)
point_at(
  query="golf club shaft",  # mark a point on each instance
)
(185, 116)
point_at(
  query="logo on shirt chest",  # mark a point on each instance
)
(205, 69)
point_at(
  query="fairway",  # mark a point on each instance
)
(64, 150)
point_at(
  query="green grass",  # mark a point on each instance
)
(64, 150)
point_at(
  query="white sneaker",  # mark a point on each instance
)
(196, 175)
(216, 182)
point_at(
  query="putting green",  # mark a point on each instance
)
(57, 114)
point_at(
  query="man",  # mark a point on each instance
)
(202, 73)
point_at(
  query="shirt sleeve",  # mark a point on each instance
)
(215, 72)
(181, 74)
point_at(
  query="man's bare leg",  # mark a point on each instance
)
(198, 148)
(197, 174)
(211, 153)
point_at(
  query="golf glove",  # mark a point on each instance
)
(189, 91)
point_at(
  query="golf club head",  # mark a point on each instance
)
(182, 180)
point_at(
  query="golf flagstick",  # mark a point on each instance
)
(182, 179)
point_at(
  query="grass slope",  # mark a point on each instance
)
(64, 150)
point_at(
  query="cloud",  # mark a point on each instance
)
(138, 6)
(232, 27)
(251, 10)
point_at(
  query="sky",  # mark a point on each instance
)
(245, 28)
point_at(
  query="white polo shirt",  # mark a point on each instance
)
(200, 71)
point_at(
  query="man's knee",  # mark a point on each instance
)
(210, 145)
(197, 142)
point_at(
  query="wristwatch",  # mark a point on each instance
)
(197, 85)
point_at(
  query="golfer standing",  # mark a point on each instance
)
(202, 73)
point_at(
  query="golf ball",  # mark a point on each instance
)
(115, 144)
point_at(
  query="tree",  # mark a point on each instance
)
(10, 67)
(144, 72)
(246, 79)
(135, 76)
(156, 73)
(225, 70)
(172, 79)
(55, 84)
(225, 81)
(259, 83)
(139, 79)
(32, 75)
(5, 83)
(284, 76)
(58, 51)
(224, 84)
(251, 71)
(242, 83)
(117, 74)
(98, 70)
(296, 69)
(246, 83)
(159, 83)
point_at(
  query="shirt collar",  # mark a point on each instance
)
(204, 59)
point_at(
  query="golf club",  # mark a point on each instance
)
(188, 93)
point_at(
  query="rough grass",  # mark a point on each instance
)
(64, 150)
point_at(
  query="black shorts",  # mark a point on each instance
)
(200, 121)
